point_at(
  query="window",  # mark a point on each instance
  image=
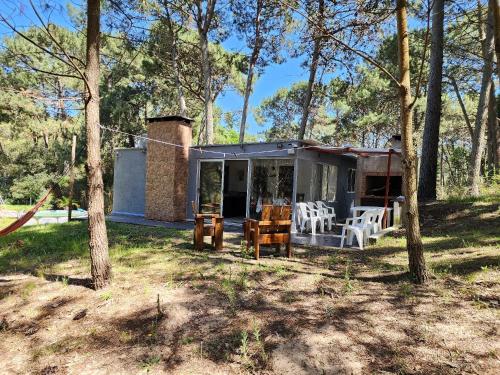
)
(351, 180)
(272, 183)
(331, 191)
(325, 182)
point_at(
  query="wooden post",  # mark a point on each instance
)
(198, 233)
(387, 184)
(71, 176)
(219, 233)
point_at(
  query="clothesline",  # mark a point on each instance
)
(224, 154)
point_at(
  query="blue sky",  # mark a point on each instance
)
(274, 77)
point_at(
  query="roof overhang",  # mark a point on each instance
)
(355, 151)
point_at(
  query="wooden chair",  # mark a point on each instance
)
(214, 229)
(273, 228)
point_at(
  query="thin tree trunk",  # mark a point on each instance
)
(250, 74)
(180, 90)
(441, 169)
(492, 146)
(248, 90)
(495, 6)
(71, 176)
(46, 139)
(414, 244)
(478, 141)
(175, 64)
(462, 106)
(312, 69)
(205, 67)
(430, 139)
(98, 239)
(204, 19)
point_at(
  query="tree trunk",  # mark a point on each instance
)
(175, 65)
(495, 6)
(478, 142)
(251, 67)
(248, 90)
(71, 176)
(462, 106)
(180, 90)
(98, 239)
(318, 30)
(492, 149)
(205, 67)
(409, 160)
(430, 140)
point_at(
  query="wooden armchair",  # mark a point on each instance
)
(215, 230)
(273, 228)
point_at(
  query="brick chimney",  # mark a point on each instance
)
(167, 168)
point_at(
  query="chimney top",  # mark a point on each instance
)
(187, 120)
(395, 141)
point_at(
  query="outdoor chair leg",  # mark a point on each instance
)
(219, 234)
(359, 238)
(350, 237)
(198, 234)
(342, 238)
(256, 244)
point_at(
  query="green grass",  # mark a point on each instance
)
(16, 207)
(44, 249)
(4, 221)
(461, 240)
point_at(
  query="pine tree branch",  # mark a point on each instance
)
(361, 54)
(70, 60)
(422, 61)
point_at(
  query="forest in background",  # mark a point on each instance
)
(169, 57)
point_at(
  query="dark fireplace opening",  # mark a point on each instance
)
(375, 186)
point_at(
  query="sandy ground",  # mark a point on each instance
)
(222, 314)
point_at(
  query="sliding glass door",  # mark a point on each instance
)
(211, 180)
(272, 183)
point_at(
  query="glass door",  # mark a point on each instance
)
(211, 180)
(271, 183)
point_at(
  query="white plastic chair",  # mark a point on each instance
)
(378, 221)
(308, 219)
(360, 227)
(316, 211)
(329, 212)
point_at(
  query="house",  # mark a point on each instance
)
(163, 180)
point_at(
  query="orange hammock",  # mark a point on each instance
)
(25, 218)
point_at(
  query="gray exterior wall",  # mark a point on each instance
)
(129, 181)
(130, 172)
(343, 198)
(281, 150)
